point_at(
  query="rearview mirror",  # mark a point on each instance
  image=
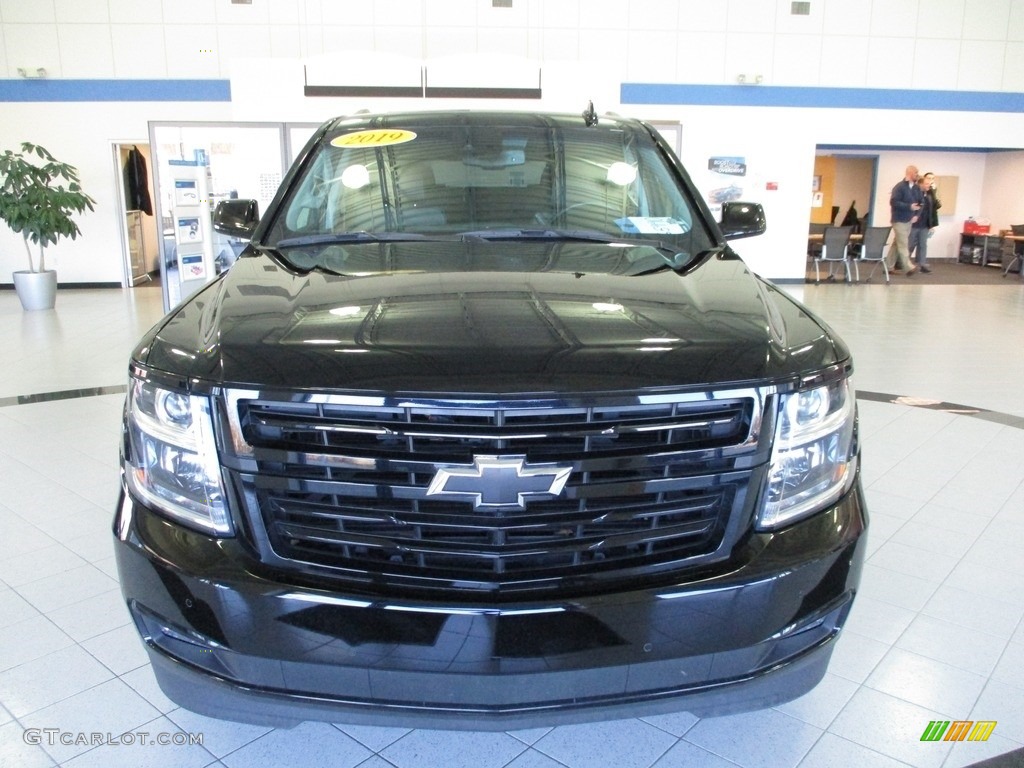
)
(742, 220)
(236, 218)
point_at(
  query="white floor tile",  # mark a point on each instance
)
(1010, 668)
(219, 737)
(889, 726)
(30, 639)
(425, 747)
(143, 682)
(974, 611)
(939, 622)
(856, 656)
(821, 706)
(119, 650)
(377, 738)
(965, 648)
(939, 541)
(66, 588)
(831, 751)
(892, 504)
(676, 723)
(937, 516)
(899, 589)
(914, 562)
(764, 739)
(157, 744)
(1004, 704)
(625, 743)
(49, 679)
(942, 688)
(975, 753)
(21, 539)
(318, 743)
(14, 608)
(686, 755)
(878, 620)
(110, 707)
(531, 735)
(376, 761)
(39, 564)
(17, 750)
(988, 582)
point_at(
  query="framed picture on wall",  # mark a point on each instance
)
(946, 188)
(815, 183)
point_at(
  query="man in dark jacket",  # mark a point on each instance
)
(932, 194)
(905, 202)
(921, 227)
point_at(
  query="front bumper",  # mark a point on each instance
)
(230, 640)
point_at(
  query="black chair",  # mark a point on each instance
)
(1017, 230)
(816, 231)
(872, 249)
(835, 251)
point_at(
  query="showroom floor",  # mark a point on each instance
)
(936, 633)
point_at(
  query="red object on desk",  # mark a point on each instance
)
(971, 227)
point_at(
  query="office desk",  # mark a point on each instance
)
(855, 238)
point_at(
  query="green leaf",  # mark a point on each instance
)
(33, 203)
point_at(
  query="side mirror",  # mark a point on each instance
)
(742, 220)
(236, 218)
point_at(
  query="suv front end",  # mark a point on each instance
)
(478, 469)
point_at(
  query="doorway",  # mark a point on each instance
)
(139, 230)
(843, 190)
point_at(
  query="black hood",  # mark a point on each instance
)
(456, 323)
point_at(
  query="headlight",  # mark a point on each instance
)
(813, 457)
(171, 461)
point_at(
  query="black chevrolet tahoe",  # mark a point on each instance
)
(488, 427)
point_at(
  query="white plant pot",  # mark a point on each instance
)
(37, 290)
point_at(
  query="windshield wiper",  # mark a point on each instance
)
(580, 235)
(676, 262)
(336, 238)
(672, 255)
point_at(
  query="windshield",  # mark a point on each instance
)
(482, 178)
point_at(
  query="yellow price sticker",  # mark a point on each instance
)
(381, 137)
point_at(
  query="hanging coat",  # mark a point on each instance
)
(136, 183)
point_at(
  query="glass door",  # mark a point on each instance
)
(196, 165)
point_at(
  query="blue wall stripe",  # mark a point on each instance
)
(59, 89)
(821, 98)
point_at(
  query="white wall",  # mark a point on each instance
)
(900, 44)
(778, 144)
(969, 167)
(83, 135)
(1002, 197)
(586, 49)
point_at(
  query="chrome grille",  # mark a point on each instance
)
(341, 483)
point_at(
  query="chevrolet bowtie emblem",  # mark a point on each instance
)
(493, 482)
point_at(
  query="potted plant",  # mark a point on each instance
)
(38, 195)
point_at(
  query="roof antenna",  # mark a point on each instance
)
(589, 115)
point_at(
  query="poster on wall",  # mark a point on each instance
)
(188, 230)
(186, 192)
(192, 267)
(725, 181)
